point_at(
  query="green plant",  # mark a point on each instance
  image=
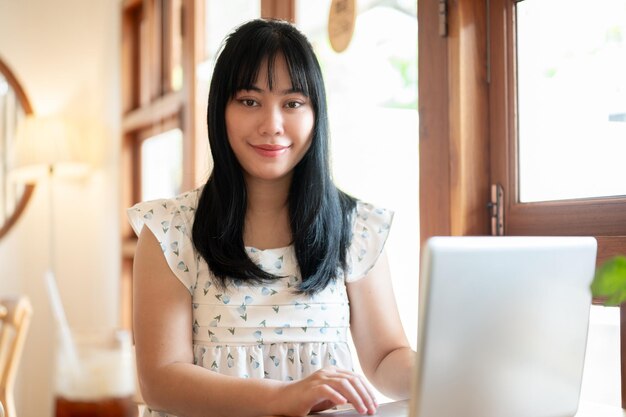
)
(609, 282)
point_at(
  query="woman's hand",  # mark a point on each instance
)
(325, 389)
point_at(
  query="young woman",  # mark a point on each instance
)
(244, 289)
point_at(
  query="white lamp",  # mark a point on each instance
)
(47, 147)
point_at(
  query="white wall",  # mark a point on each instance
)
(66, 55)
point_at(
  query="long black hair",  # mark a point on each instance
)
(320, 214)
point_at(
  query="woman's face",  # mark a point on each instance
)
(270, 130)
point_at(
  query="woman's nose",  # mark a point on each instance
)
(271, 123)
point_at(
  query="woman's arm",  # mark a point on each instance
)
(169, 381)
(384, 352)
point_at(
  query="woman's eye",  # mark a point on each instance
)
(248, 102)
(293, 104)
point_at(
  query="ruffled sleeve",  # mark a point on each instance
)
(171, 220)
(369, 233)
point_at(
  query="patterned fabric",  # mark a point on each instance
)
(268, 330)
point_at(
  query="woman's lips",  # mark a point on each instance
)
(270, 150)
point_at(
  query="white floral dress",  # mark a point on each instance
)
(268, 330)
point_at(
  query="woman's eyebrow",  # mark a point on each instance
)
(293, 91)
(251, 88)
(261, 90)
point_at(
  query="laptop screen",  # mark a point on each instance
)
(503, 326)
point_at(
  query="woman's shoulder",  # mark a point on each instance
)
(368, 213)
(164, 210)
(170, 221)
(184, 203)
(370, 229)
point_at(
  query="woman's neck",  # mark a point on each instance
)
(267, 214)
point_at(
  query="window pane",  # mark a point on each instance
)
(162, 165)
(571, 98)
(221, 17)
(175, 69)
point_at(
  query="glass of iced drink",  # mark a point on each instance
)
(101, 382)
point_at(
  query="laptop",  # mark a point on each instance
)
(502, 328)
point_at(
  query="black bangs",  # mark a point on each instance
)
(265, 48)
(299, 75)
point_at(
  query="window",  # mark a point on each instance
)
(161, 165)
(528, 143)
(479, 94)
(571, 99)
(157, 97)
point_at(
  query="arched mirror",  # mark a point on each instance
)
(14, 106)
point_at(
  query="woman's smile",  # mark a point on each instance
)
(270, 150)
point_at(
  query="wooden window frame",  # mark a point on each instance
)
(150, 106)
(453, 107)
(604, 218)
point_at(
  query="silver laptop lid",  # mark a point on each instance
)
(503, 326)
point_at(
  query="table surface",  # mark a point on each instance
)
(585, 409)
(599, 410)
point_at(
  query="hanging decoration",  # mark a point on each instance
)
(341, 22)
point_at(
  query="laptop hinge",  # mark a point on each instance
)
(496, 210)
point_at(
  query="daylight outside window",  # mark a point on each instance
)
(572, 99)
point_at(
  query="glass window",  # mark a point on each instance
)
(162, 165)
(175, 50)
(571, 98)
(221, 17)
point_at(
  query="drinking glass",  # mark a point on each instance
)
(99, 380)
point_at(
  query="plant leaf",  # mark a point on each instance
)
(610, 281)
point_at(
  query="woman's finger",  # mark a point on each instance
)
(365, 385)
(351, 387)
(368, 397)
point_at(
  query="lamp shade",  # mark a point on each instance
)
(44, 145)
